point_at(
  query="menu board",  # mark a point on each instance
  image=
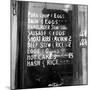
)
(49, 46)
